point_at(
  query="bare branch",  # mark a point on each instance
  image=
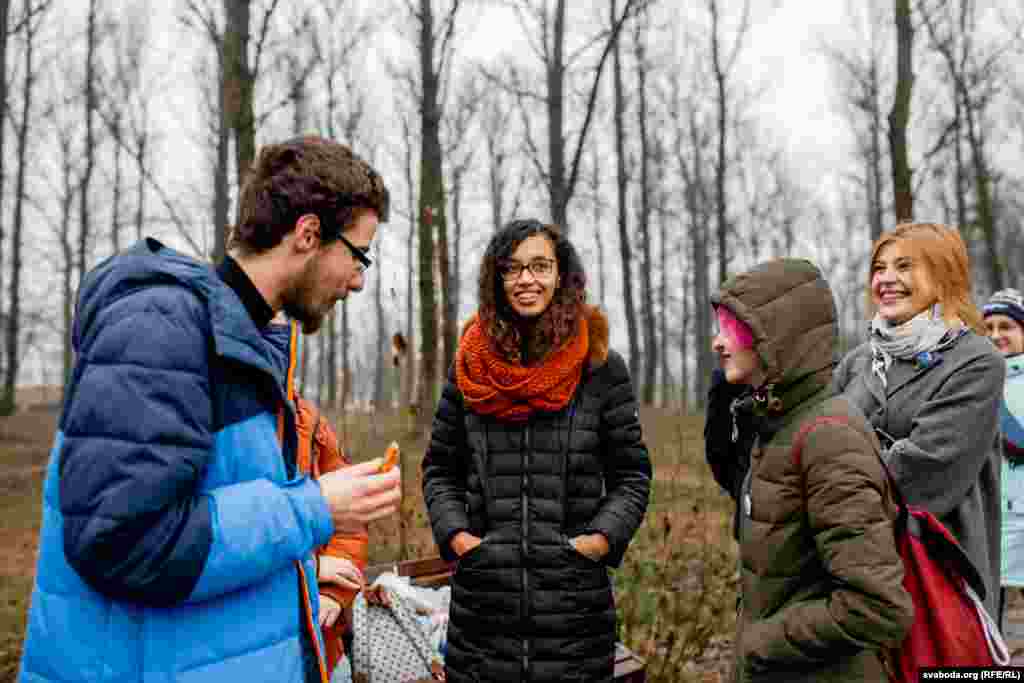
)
(264, 31)
(512, 88)
(592, 100)
(449, 30)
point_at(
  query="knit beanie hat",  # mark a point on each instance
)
(1008, 302)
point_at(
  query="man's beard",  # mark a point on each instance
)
(300, 301)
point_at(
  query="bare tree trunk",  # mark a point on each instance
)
(408, 396)
(115, 199)
(556, 119)
(322, 364)
(622, 186)
(696, 201)
(346, 367)
(90, 144)
(899, 116)
(684, 338)
(68, 253)
(220, 168)
(598, 218)
(456, 276)
(13, 331)
(983, 196)
(140, 186)
(960, 177)
(382, 341)
(431, 213)
(722, 102)
(651, 355)
(332, 358)
(495, 122)
(239, 83)
(877, 207)
(5, 13)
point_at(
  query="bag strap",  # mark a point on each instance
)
(800, 440)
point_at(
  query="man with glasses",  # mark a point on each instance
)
(178, 534)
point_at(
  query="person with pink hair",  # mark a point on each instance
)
(821, 586)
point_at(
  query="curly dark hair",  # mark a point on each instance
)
(305, 175)
(558, 322)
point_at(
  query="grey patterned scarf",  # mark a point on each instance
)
(926, 331)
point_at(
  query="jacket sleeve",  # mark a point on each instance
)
(137, 437)
(842, 372)
(445, 471)
(627, 467)
(853, 530)
(353, 547)
(951, 437)
(728, 458)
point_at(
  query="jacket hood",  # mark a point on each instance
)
(150, 263)
(789, 307)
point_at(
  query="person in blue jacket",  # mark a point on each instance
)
(177, 533)
(1004, 321)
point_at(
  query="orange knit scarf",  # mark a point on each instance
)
(493, 385)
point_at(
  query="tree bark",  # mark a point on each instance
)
(876, 207)
(346, 366)
(622, 188)
(221, 202)
(651, 355)
(555, 103)
(409, 376)
(899, 116)
(598, 219)
(239, 84)
(89, 153)
(722, 103)
(67, 201)
(382, 342)
(5, 12)
(115, 199)
(431, 213)
(13, 331)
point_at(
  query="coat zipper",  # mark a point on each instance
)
(525, 530)
(565, 468)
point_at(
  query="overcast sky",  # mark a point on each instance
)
(781, 52)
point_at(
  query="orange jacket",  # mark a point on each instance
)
(319, 453)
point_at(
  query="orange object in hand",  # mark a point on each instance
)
(390, 458)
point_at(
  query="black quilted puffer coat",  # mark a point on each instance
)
(526, 606)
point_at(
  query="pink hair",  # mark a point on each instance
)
(738, 330)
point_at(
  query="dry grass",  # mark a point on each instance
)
(676, 590)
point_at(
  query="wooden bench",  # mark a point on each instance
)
(433, 572)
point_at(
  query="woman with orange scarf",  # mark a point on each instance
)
(536, 476)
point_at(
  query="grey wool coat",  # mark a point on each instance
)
(944, 420)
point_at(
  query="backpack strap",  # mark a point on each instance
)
(801, 440)
(801, 436)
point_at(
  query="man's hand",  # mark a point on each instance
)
(357, 495)
(594, 546)
(329, 611)
(342, 572)
(463, 542)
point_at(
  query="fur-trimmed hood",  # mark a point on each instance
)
(597, 325)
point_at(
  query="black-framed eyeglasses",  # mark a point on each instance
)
(359, 254)
(540, 268)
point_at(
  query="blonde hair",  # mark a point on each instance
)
(942, 252)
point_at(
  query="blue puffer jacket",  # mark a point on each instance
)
(174, 523)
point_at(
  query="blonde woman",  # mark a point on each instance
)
(930, 383)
